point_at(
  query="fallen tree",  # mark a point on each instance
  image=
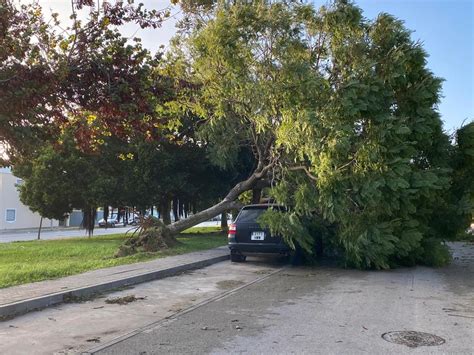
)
(341, 114)
(153, 235)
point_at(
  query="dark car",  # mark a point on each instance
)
(246, 237)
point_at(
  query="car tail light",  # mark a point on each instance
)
(232, 230)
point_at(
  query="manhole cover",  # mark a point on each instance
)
(413, 339)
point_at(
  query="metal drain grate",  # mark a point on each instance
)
(413, 339)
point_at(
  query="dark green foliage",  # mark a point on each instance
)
(290, 226)
(351, 106)
(61, 178)
(432, 252)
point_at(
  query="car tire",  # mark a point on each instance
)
(295, 257)
(237, 258)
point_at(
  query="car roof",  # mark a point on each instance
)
(262, 205)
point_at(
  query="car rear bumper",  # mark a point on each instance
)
(259, 248)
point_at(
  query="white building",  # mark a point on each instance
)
(13, 213)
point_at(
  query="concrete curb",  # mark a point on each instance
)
(11, 310)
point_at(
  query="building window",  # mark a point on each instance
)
(10, 215)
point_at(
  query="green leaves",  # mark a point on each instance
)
(352, 109)
(289, 226)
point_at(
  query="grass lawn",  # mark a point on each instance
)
(23, 262)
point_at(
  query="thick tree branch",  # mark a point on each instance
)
(305, 169)
(229, 202)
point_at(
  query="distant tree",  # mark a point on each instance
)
(51, 76)
(463, 171)
(455, 210)
(84, 78)
(28, 80)
(62, 178)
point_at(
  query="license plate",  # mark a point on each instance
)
(257, 236)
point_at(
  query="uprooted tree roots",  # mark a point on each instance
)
(151, 236)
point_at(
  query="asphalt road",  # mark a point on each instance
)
(16, 236)
(326, 310)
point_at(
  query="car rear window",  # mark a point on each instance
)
(250, 215)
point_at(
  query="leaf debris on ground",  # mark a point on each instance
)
(123, 300)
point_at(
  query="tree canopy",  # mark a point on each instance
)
(341, 112)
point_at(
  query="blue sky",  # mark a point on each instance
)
(445, 27)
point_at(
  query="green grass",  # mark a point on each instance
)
(199, 230)
(24, 262)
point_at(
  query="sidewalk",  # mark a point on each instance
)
(20, 299)
(71, 232)
(35, 230)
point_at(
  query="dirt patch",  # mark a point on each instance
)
(123, 300)
(413, 339)
(229, 284)
(70, 298)
(178, 307)
(94, 340)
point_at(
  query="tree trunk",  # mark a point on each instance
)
(181, 209)
(202, 216)
(224, 226)
(256, 195)
(227, 203)
(106, 214)
(88, 220)
(175, 208)
(165, 211)
(148, 238)
(39, 229)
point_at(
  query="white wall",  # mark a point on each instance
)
(10, 199)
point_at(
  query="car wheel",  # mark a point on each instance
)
(237, 258)
(295, 257)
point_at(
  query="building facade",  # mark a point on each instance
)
(13, 213)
